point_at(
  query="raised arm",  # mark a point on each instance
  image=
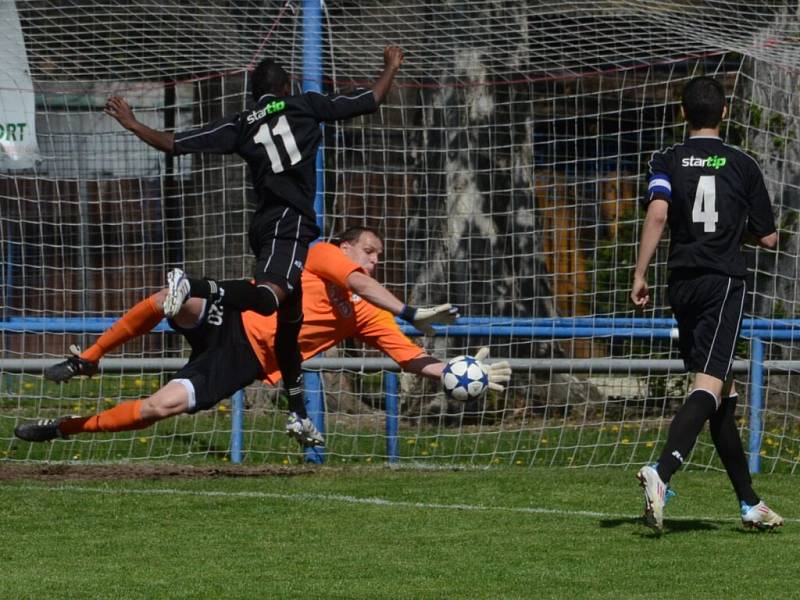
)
(392, 59)
(119, 109)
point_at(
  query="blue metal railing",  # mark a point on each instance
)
(758, 330)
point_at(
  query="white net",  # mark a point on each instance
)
(503, 171)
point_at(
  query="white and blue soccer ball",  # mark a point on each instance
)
(463, 378)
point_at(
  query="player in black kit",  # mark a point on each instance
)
(278, 138)
(710, 194)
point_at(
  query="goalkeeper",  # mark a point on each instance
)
(231, 349)
(278, 137)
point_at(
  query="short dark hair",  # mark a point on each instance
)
(352, 234)
(703, 102)
(268, 78)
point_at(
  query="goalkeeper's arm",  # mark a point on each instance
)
(499, 373)
(421, 318)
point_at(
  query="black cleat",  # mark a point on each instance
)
(74, 365)
(42, 430)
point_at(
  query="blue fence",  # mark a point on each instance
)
(758, 330)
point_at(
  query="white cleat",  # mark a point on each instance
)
(177, 291)
(655, 492)
(304, 431)
(760, 516)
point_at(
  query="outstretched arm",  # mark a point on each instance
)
(421, 318)
(119, 109)
(392, 59)
(373, 292)
(499, 373)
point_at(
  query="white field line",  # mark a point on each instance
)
(344, 499)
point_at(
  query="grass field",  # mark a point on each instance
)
(374, 532)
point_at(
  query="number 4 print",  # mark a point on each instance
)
(705, 204)
(265, 138)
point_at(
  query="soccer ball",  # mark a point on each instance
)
(463, 378)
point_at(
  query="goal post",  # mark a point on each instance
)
(504, 172)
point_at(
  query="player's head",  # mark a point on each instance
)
(270, 78)
(363, 246)
(703, 102)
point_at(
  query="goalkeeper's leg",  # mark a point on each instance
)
(140, 319)
(170, 400)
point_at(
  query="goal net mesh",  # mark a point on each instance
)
(504, 172)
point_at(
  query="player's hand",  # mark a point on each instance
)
(393, 57)
(119, 109)
(640, 294)
(498, 373)
(425, 318)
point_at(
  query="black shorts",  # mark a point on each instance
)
(709, 309)
(222, 360)
(279, 238)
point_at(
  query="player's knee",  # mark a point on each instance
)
(158, 298)
(269, 298)
(290, 314)
(161, 407)
(291, 308)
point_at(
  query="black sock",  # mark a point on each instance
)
(683, 431)
(729, 447)
(239, 294)
(201, 288)
(287, 353)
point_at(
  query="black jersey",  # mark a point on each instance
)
(714, 191)
(278, 138)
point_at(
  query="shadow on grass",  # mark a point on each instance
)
(670, 526)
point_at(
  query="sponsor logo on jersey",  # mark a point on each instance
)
(270, 109)
(339, 300)
(713, 162)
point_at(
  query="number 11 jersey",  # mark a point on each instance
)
(714, 191)
(278, 138)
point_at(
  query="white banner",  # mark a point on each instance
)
(18, 149)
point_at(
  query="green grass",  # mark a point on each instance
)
(206, 437)
(619, 437)
(438, 534)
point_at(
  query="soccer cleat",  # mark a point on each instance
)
(177, 291)
(760, 516)
(74, 365)
(42, 430)
(304, 431)
(655, 493)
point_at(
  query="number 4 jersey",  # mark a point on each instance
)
(278, 138)
(714, 191)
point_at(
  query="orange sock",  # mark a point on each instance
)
(138, 320)
(123, 417)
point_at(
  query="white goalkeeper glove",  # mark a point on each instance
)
(498, 373)
(425, 318)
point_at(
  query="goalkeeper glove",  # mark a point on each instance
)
(498, 373)
(424, 318)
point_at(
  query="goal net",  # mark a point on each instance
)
(503, 171)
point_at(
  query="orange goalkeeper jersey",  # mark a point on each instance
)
(331, 313)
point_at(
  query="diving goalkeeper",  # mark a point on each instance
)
(231, 349)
